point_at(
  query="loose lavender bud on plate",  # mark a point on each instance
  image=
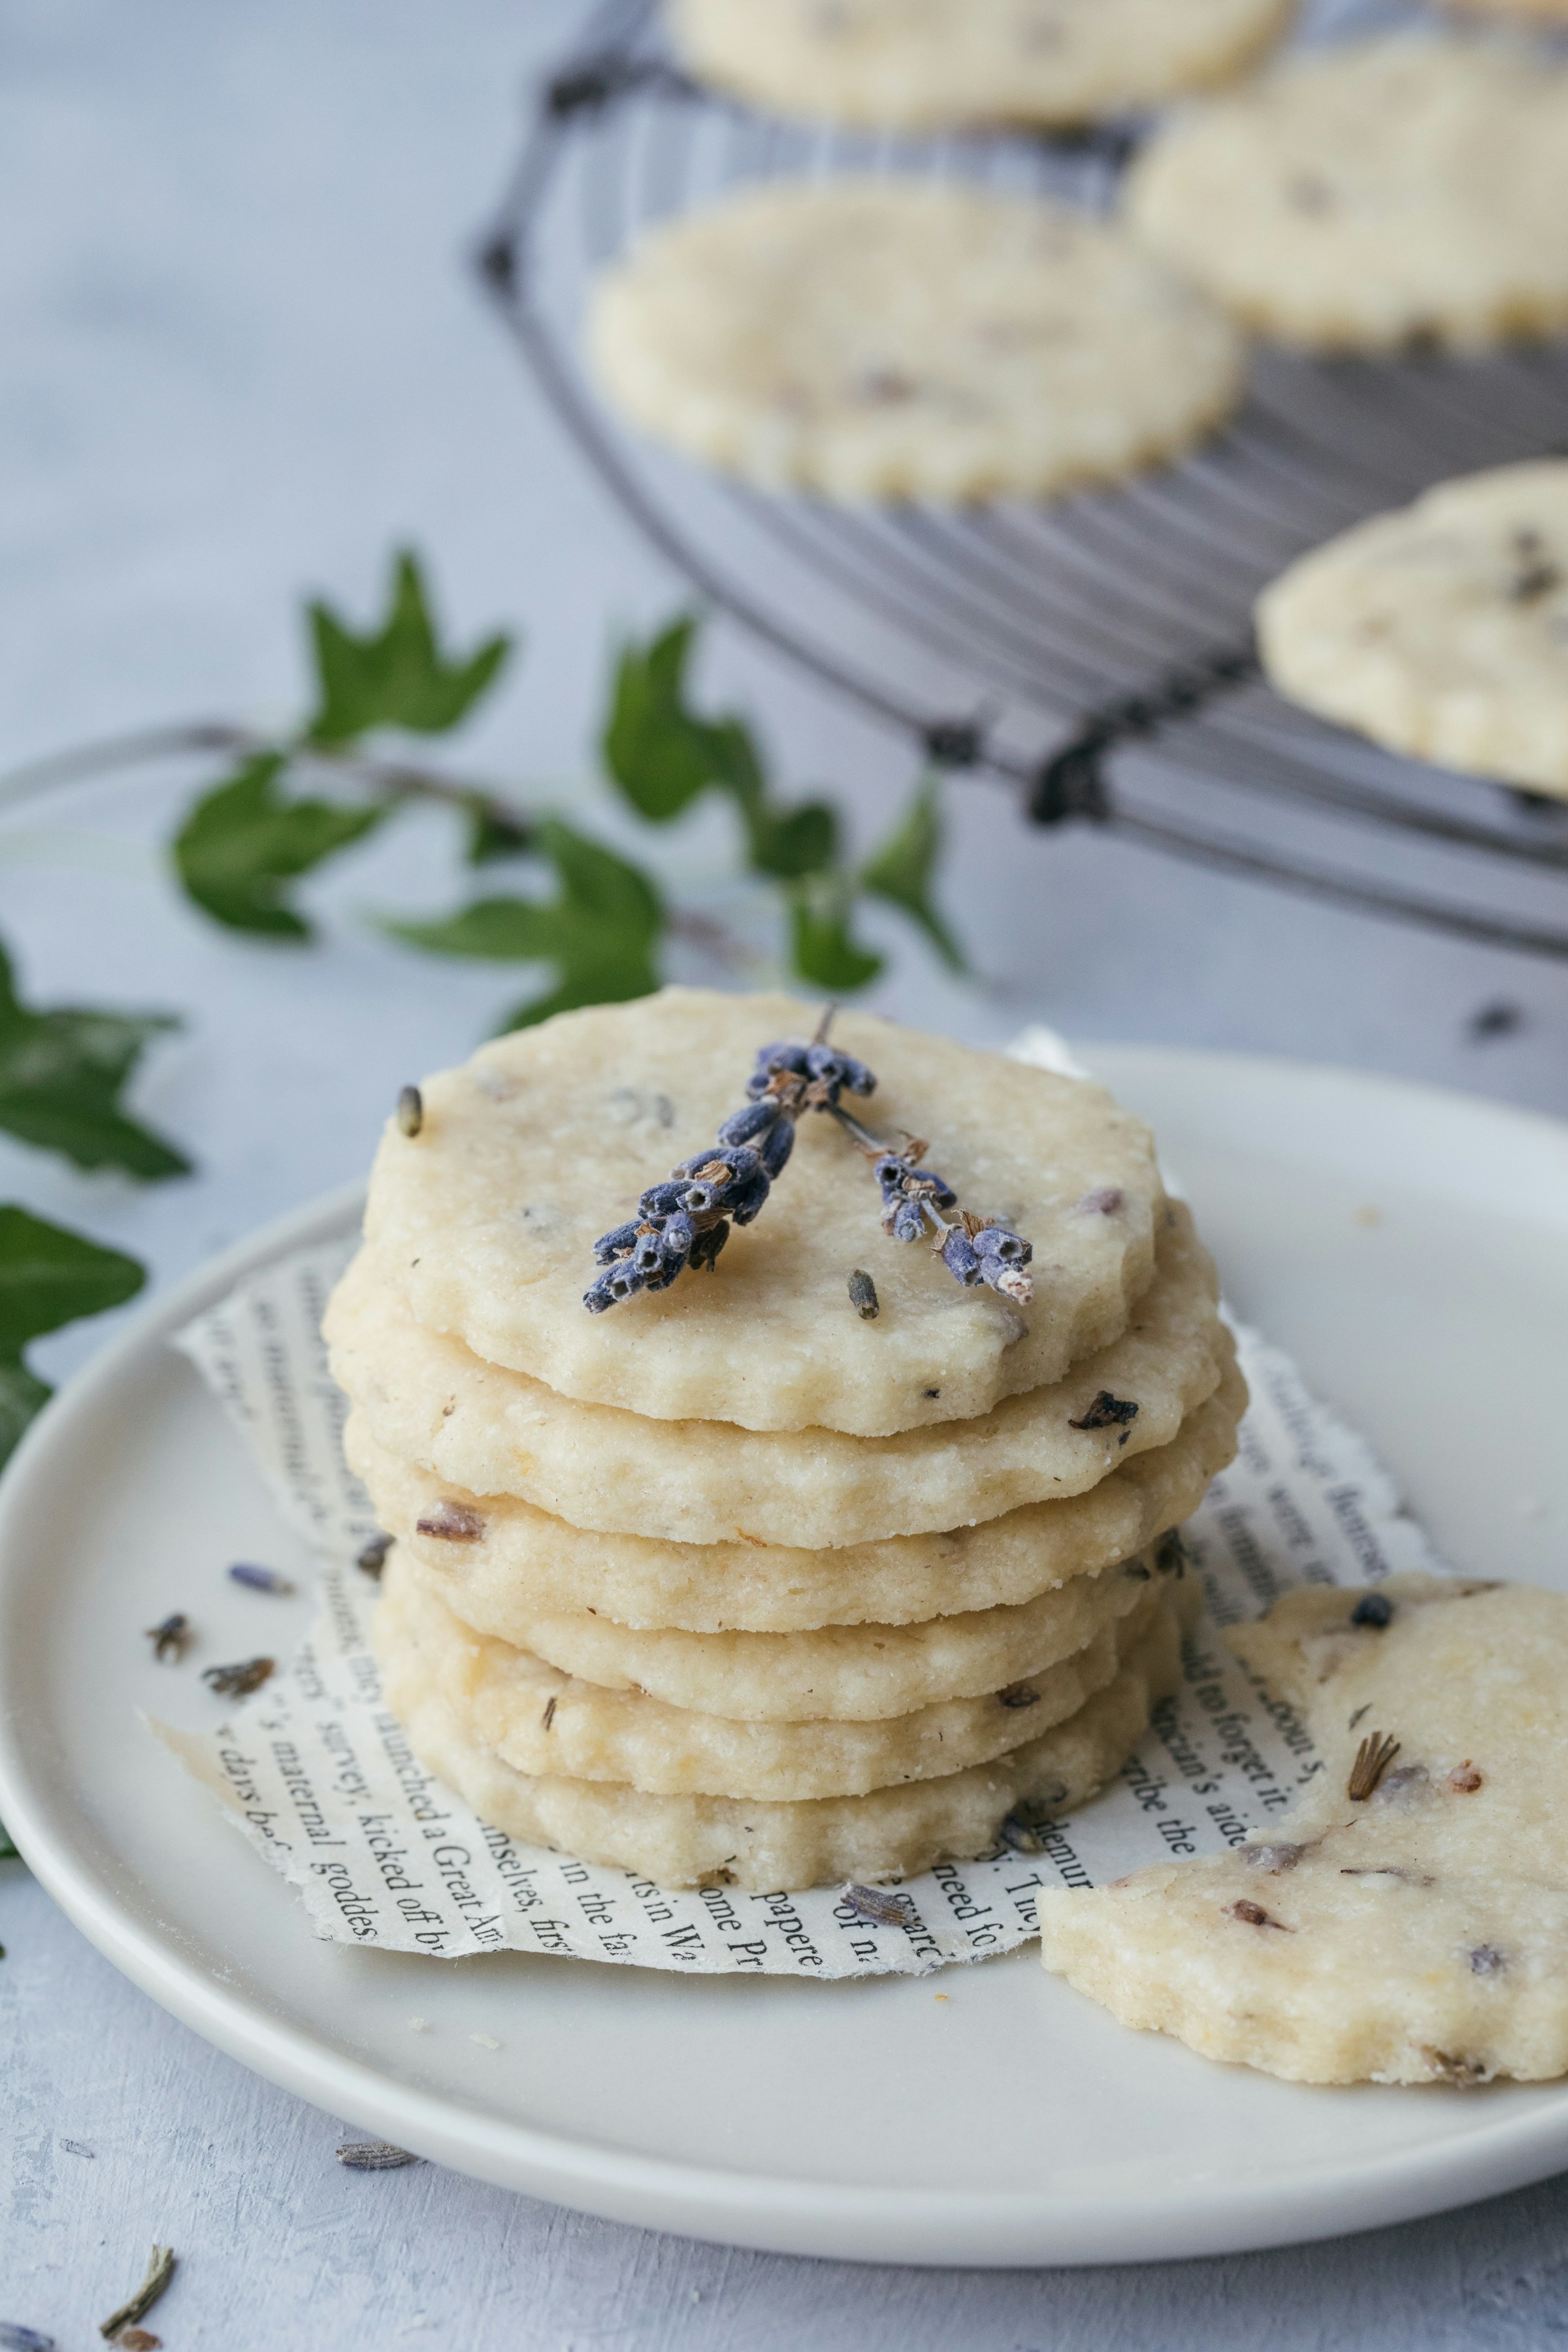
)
(863, 1296)
(410, 1111)
(239, 1680)
(170, 1637)
(373, 2156)
(260, 1579)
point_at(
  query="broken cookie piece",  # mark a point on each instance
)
(1408, 1923)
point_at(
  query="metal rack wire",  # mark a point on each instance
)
(1094, 653)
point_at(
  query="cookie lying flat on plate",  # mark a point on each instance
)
(914, 64)
(428, 1400)
(547, 1138)
(494, 1548)
(1359, 198)
(546, 1723)
(1440, 631)
(895, 339)
(859, 1673)
(1409, 1922)
(688, 1841)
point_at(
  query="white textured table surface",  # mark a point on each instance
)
(239, 356)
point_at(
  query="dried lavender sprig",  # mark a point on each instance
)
(684, 1221)
(974, 1249)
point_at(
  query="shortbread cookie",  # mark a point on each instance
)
(499, 1433)
(1440, 631)
(491, 1550)
(1409, 1922)
(1360, 197)
(904, 339)
(857, 1674)
(547, 1138)
(689, 1841)
(920, 65)
(545, 1723)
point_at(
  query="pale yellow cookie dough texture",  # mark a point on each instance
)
(923, 65)
(1440, 631)
(899, 339)
(727, 1582)
(1364, 196)
(1409, 1922)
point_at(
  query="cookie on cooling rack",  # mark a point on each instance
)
(895, 339)
(1523, 12)
(1384, 192)
(1440, 631)
(916, 65)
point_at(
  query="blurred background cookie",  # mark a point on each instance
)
(895, 339)
(1382, 192)
(912, 65)
(1442, 630)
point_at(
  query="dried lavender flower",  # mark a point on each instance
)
(1107, 1411)
(13, 2337)
(372, 1557)
(863, 1296)
(160, 2271)
(410, 1113)
(453, 1522)
(1281, 1855)
(876, 1903)
(239, 1680)
(373, 2156)
(260, 1579)
(1253, 1915)
(915, 1201)
(1375, 1610)
(170, 1637)
(1373, 1758)
(683, 1222)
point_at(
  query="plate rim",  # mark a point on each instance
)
(1027, 2228)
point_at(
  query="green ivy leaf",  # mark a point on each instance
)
(49, 1276)
(60, 1076)
(601, 931)
(801, 841)
(494, 833)
(657, 749)
(824, 952)
(903, 871)
(242, 841)
(663, 755)
(394, 675)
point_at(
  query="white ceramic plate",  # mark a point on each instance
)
(1010, 2122)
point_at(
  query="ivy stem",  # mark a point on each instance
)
(399, 779)
(396, 779)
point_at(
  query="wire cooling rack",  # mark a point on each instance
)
(1095, 654)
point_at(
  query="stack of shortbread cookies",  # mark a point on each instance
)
(814, 1564)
